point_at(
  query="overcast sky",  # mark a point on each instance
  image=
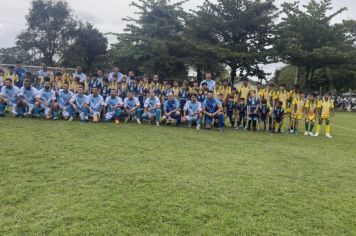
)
(106, 15)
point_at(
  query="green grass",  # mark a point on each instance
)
(65, 178)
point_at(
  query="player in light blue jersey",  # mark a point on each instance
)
(152, 108)
(27, 98)
(8, 97)
(79, 105)
(96, 104)
(171, 110)
(113, 107)
(212, 109)
(44, 102)
(62, 105)
(193, 112)
(132, 108)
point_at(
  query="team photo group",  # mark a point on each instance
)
(117, 97)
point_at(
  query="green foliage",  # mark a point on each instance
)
(61, 178)
(88, 47)
(14, 54)
(50, 26)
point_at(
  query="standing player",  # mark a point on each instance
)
(263, 111)
(79, 105)
(96, 104)
(132, 108)
(8, 97)
(278, 116)
(311, 114)
(193, 112)
(241, 109)
(171, 110)
(62, 105)
(212, 108)
(45, 100)
(325, 110)
(297, 111)
(113, 107)
(252, 105)
(244, 89)
(152, 108)
(230, 106)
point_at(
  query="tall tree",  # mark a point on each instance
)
(154, 39)
(88, 45)
(14, 54)
(50, 26)
(308, 40)
(241, 32)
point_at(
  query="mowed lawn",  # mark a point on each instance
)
(61, 178)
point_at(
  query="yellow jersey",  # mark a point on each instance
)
(12, 76)
(224, 90)
(176, 91)
(297, 108)
(311, 108)
(282, 96)
(325, 108)
(245, 91)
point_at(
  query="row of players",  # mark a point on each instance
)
(252, 113)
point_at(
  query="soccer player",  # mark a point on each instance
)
(113, 107)
(171, 110)
(62, 104)
(95, 83)
(252, 106)
(325, 110)
(45, 100)
(241, 109)
(230, 106)
(142, 91)
(263, 111)
(132, 107)
(10, 74)
(210, 83)
(27, 97)
(79, 105)
(278, 116)
(212, 108)
(96, 104)
(297, 111)
(193, 112)
(311, 114)
(152, 108)
(183, 96)
(244, 89)
(8, 97)
(167, 90)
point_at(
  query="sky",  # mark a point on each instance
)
(107, 15)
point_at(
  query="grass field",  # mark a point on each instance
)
(65, 178)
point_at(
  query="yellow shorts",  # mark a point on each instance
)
(310, 117)
(298, 116)
(324, 117)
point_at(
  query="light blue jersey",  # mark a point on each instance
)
(113, 103)
(64, 97)
(152, 103)
(29, 94)
(192, 108)
(95, 102)
(47, 96)
(10, 93)
(211, 105)
(170, 105)
(131, 103)
(79, 100)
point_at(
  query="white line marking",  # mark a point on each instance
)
(342, 127)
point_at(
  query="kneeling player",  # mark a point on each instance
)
(132, 108)
(311, 114)
(45, 100)
(193, 112)
(113, 107)
(278, 116)
(62, 105)
(212, 108)
(96, 104)
(263, 111)
(8, 97)
(152, 108)
(171, 109)
(27, 98)
(325, 110)
(79, 105)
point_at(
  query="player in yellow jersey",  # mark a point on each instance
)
(224, 89)
(311, 114)
(259, 91)
(297, 111)
(325, 111)
(245, 89)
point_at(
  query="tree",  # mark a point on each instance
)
(14, 54)
(50, 27)
(154, 39)
(241, 34)
(88, 45)
(308, 40)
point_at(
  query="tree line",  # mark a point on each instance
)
(231, 38)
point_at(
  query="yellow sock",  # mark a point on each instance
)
(327, 129)
(318, 128)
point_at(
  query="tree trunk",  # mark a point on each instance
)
(199, 74)
(233, 75)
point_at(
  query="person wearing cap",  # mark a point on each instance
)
(211, 84)
(10, 74)
(152, 108)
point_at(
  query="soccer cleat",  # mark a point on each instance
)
(221, 130)
(55, 118)
(198, 127)
(70, 119)
(127, 119)
(306, 133)
(316, 134)
(328, 135)
(157, 124)
(138, 121)
(117, 121)
(311, 134)
(291, 131)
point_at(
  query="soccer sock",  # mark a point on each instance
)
(327, 129)
(221, 121)
(318, 128)
(306, 126)
(249, 125)
(311, 127)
